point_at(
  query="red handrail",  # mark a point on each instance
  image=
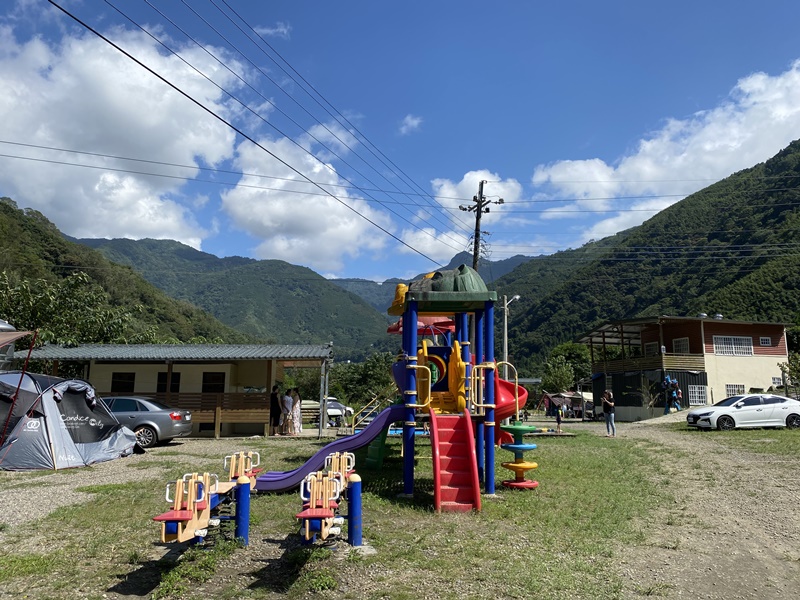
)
(437, 466)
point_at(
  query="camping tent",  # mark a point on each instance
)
(52, 423)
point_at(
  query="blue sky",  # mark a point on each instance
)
(344, 136)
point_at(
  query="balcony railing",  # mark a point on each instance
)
(667, 362)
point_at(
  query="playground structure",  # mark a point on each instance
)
(198, 499)
(449, 380)
(322, 493)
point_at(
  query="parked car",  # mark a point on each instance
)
(366, 416)
(151, 421)
(748, 410)
(338, 413)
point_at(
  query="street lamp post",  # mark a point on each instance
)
(506, 302)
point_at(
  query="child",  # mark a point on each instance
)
(558, 420)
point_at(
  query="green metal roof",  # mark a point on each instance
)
(178, 352)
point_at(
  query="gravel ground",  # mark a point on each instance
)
(732, 532)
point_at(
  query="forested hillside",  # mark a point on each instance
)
(270, 299)
(730, 248)
(34, 253)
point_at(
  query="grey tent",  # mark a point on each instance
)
(52, 423)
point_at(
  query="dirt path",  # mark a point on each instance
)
(733, 530)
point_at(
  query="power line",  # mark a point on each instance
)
(249, 109)
(236, 129)
(366, 141)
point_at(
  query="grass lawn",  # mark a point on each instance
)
(558, 541)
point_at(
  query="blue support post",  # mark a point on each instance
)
(354, 511)
(409, 424)
(479, 339)
(490, 397)
(242, 497)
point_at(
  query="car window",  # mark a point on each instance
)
(155, 406)
(752, 401)
(773, 399)
(729, 401)
(125, 405)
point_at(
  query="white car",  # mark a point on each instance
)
(338, 413)
(748, 410)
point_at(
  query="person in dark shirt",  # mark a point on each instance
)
(608, 411)
(274, 410)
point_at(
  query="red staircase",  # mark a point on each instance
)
(455, 469)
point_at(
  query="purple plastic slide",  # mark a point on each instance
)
(276, 481)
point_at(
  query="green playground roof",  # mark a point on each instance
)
(445, 292)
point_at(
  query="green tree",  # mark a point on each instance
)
(68, 311)
(558, 375)
(792, 370)
(356, 384)
(577, 356)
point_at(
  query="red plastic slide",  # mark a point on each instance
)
(505, 407)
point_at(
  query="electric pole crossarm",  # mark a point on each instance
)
(480, 207)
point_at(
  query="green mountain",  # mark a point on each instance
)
(730, 248)
(268, 299)
(32, 248)
(380, 295)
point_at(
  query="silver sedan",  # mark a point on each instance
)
(151, 421)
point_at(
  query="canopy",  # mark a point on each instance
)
(426, 325)
(6, 337)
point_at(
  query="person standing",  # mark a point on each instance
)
(558, 420)
(608, 411)
(275, 410)
(297, 414)
(286, 413)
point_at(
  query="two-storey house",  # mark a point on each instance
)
(711, 357)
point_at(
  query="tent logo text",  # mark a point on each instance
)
(32, 425)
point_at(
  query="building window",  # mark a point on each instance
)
(697, 395)
(765, 341)
(734, 389)
(122, 383)
(213, 383)
(729, 345)
(680, 345)
(651, 349)
(175, 383)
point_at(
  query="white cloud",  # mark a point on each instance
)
(451, 195)
(410, 124)
(280, 30)
(308, 228)
(82, 94)
(760, 117)
(439, 246)
(441, 241)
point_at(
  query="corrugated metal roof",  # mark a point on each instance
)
(629, 331)
(178, 352)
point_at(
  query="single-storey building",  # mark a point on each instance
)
(226, 386)
(711, 358)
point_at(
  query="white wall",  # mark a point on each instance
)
(147, 376)
(750, 371)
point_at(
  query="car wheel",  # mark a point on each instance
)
(793, 421)
(725, 423)
(146, 436)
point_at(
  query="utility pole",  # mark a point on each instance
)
(481, 206)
